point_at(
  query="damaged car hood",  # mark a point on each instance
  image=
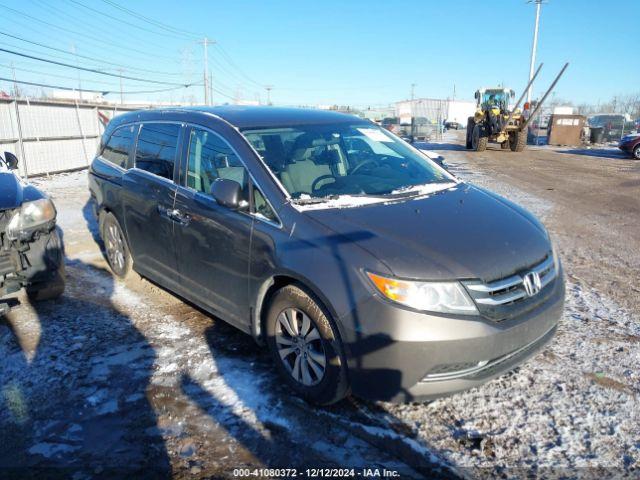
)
(11, 191)
(460, 233)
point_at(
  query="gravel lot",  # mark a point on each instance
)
(118, 378)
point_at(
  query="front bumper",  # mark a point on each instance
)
(627, 147)
(27, 263)
(396, 354)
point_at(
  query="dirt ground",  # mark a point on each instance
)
(123, 378)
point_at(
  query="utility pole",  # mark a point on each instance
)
(121, 94)
(538, 4)
(16, 91)
(211, 88)
(73, 50)
(268, 88)
(413, 89)
(206, 42)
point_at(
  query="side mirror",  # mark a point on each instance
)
(11, 160)
(228, 193)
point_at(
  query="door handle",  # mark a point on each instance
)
(174, 215)
(179, 217)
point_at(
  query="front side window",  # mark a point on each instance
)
(210, 157)
(261, 207)
(323, 161)
(156, 148)
(118, 147)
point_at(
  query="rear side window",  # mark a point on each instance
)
(118, 147)
(156, 148)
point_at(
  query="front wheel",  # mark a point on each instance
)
(636, 152)
(518, 140)
(306, 347)
(478, 140)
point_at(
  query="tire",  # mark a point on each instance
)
(49, 290)
(518, 141)
(478, 141)
(292, 310)
(636, 152)
(470, 124)
(116, 248)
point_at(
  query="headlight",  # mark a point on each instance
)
(443, 297)
(31, 215)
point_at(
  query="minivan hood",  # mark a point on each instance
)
(459, 233)
(10, 191)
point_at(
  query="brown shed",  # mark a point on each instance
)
(565, 129)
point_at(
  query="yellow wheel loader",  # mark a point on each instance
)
(495, 122)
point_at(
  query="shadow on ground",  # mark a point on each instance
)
(597, 152)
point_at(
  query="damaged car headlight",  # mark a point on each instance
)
(443, 297)
(34, 215)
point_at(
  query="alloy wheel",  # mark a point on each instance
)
(114, 244)
(300, 347)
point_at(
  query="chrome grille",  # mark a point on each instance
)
(507, 297)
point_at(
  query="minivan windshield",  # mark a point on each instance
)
(326, 161)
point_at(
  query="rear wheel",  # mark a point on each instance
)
(115, 245)
(470, 124)
(636, 152)
(478, 141)
(518, 140)
(306, 347)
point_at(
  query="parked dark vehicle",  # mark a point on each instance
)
(31, 251)
(452, 125)
(364, 266)
(614, 125)
(630, 144)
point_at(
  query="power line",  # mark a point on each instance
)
(151, 21)
(50, 86)
(65, 77)
(229, 60)
(91, 69)
(103, 92)
(84, 56)
(119, 19)
(75, 32)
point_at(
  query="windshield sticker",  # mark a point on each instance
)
(375, 134)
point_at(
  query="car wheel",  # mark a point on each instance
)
(49, 290)
(518, 140)
(306, 347)
(115, 245)
(478, 140)
(470, 125)
(636, 152)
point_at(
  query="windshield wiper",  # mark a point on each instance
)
(314, 200)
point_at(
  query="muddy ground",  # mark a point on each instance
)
(123, 378)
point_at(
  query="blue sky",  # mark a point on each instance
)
(343, 52)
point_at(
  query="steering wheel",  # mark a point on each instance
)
(362, 164)
(319, 179)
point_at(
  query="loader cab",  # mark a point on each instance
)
(494, 98)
